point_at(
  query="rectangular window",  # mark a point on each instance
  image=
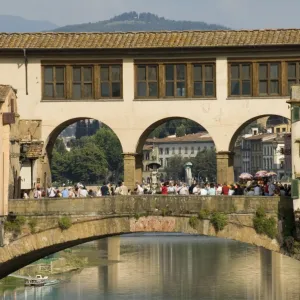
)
(179, 150)
(240, 79)
(203, 80)
(269, 79)
(161, 151)
(54, 82)
(173, 150)
(167, 151)
(192, 150)
(82, 82)
(186, 150)
(175, 80)
(147, 81)
(110, 81)
(293, 74)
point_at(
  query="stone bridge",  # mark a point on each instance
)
(39, 234)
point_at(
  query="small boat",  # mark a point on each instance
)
(39, 280)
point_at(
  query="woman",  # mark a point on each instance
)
(164, 189)
(231, 190)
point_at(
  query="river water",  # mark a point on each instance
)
(178, 267)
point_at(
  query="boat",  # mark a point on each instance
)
(39, 280)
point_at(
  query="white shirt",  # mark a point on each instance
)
(257, 191)
(140, 190)
(230, 192)
(271, 189)
(83, 193)
(196, 190)
(184, 191)
(219, 190)
(203, 192)
(51, 192)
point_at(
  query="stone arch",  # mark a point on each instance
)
(246, 123)
(30, 248)
(49, 142)
(142, 139)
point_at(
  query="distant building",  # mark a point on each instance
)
(165, 148)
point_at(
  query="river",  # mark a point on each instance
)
(178, 267)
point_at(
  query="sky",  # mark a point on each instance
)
(236, 14)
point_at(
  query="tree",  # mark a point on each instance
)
(175, 168)
(180, 131)
(205, 164)
(106, 139)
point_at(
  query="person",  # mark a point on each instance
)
(71, 193)
(203, 190)
(219, 190)
(25, 196)
(37, 193)
(118, 190)
(196, 190)
(99, 194)
(171, 189)
(164, 189)
(104, 190)
(139, 189)
(83, 193)
(191, 188)
(184, 190)
(231, 190)
(225, 189)
(271, 189)
(238, 191)
(257, 190)
(65, 193)
(124, 189)
(51, 192)
(211, 190)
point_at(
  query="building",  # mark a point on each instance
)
(162, 149)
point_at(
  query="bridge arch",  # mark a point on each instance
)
(51, 133)
(30, 248)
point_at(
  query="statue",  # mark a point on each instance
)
(188, 173)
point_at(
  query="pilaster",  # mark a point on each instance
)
(225, 173)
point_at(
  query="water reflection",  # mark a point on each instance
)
(178, 267)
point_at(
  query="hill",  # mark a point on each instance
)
(18, 24)
(132, 21)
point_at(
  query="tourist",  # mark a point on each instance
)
(196, 190)
(225, 189)
(203, 191)
(191, 188)
(71, 192)
(51, 192)
(212, 190)
(98, 193)
(164, 189)
(83, 193)
(257, 190)
(231, 190)
(171, 189)
(104, 190)
(184, 190)
(37, 194)
(139, 189)
(219, 190)
(65, 193)
(238, 191)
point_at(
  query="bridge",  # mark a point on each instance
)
(42, 231)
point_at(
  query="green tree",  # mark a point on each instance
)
(175, 168)
(205, 164)
(181, 131)
(106, 139)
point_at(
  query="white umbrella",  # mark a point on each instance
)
(271, 174)
(261, 173)
(245, 176)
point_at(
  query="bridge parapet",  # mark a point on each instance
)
(129, 205)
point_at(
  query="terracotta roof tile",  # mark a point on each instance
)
(159, 39)
(4, 90)
(196, 137)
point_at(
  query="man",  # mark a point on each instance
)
(184, 190)
(37, 193)
(124, 189)
(140, 190)
(225, 189)
(191, 188)
(257, 190)
(65, 193)
(203, 190)
(104, 190)
(51, 192)
(83, 193)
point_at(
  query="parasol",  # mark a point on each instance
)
(245, 176)
(271, 174)
(261, 173)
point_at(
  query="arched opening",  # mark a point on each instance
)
(182, 150)
(263, 143)
(83, 150)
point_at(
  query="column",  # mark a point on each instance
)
(139, 168)
(225, 173)
(129, 170)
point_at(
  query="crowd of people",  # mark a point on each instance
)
(249, 188)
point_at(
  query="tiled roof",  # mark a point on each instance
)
(159, 39)
(147, 147)
(4, 90)
(258, 137)
(35, 150)
(196, 137)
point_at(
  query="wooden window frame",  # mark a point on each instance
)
(269, 79)
(82, 82)
(54, 82)
(175, 80)
(240, 79)
(147, 81)
(68, 77)
(189, 77)
(297, 78)
(204, 80)
(110, 81)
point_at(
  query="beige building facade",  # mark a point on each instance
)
(134, 82)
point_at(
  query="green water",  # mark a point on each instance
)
(176, 267)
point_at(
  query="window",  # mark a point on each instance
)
(293, 74)
(54, 82)
(161, 151)
(283, 129)
(173, 150)
(203, 80)
(199, 149)
(192, 150)
(186, 150)
(167, 151)
(147, 81)
(240, 79)
(295, 113)
(82, 82)
(179, 150)
(269, 79)
(147, 156)
(161, 162)
(12, 105)
(167, 162)
(110, 81)
(175, 78)
(277, 130)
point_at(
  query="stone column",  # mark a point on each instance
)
(129, 170)
(139, 168)
(225, 167)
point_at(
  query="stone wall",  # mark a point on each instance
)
(146, 203)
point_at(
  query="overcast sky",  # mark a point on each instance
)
(236, 14)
